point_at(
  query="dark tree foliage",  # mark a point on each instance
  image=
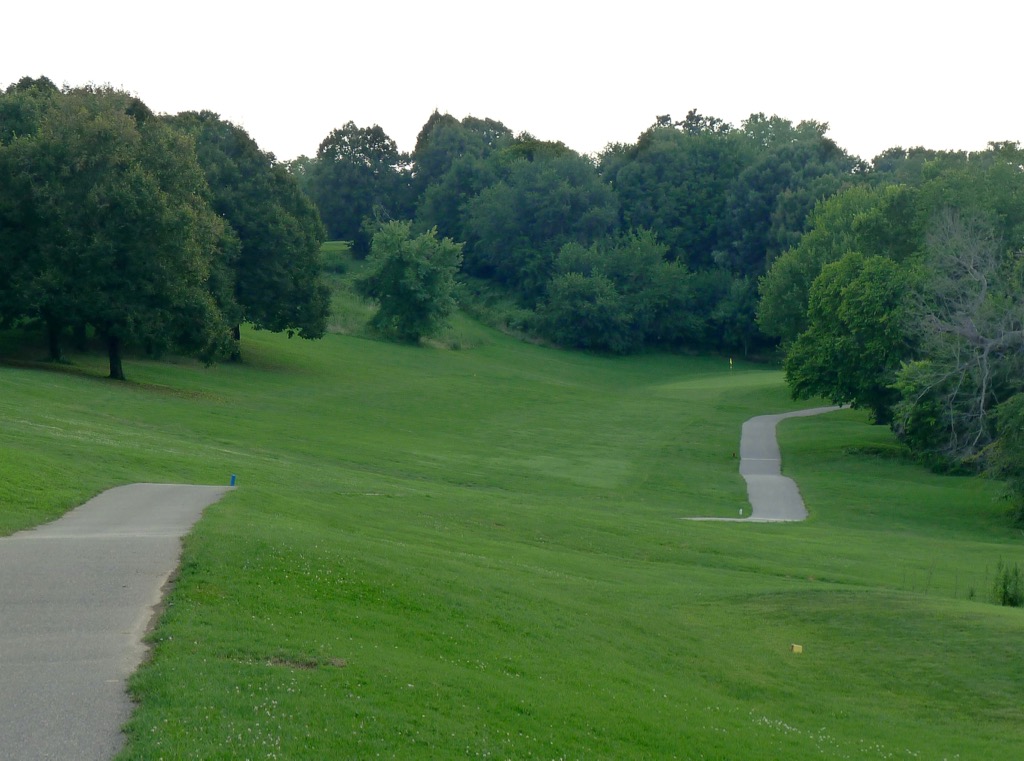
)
(988, 186)
(21, 106)
(883, 221)
(890, 220)
(443, 140)
(359, 178)
(515, 227)
(412, 279)
(618, 295)
(675, 181)
(914, 166)
(117, 234)
(857, 335)
(444, 203)
(587, 312)
(727, 201)
(302, 169)
(768, 203)
(450, 167)
(277, 273)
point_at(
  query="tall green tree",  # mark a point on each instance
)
(879, 221)
(674, 180)
(768, 203)
(450, 167)
(277, 275)
(443, 140)
(22, 104)
(619, 294)
(857, 335)
(122, 236)
(412, 279)
(516, 226)
(359, 178)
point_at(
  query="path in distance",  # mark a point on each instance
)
(773, 497)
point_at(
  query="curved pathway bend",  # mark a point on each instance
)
(773, 497)
(76, 598)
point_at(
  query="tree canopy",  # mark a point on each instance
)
(358, 178)
(161, 233)
(412, 279)
(117, 233)
(277, 272)
(892, 285)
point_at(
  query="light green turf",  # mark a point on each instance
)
(480, 553)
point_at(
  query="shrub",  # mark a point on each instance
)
(1009, 586)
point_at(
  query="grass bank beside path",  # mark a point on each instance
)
(479, 553)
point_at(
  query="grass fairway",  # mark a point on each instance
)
(481, 554)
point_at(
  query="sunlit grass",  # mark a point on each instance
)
(481, 553)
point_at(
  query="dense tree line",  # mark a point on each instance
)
(906, 297)
(718, 203)
(893, 285)
(162, 233)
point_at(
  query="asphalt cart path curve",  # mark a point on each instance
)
(76, 598)
(773, 497)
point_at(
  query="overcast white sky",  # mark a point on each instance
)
(941, 74)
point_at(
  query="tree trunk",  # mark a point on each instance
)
(53, 329)
(114, 352)
(81, 340)
(236, 349)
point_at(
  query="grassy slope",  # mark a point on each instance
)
(461, 554)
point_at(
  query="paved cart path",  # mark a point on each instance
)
(76, 598)
(773, 497)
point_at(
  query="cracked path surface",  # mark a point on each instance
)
(76, 597)
(773, 497)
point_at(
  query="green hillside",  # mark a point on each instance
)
(481, 553)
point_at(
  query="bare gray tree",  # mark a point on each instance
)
(970, 323)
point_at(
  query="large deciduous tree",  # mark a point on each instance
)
(768, 203)
(548, 196)
(120, 235)
(277, 273)
(857, 335)
(450, 166)
(359, 178)
(969, 317)
(675, 179)
(443, 140)
(882, 222)
(412, 279)
(618, 295)
(22, 106)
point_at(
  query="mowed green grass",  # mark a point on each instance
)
(438, 554)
